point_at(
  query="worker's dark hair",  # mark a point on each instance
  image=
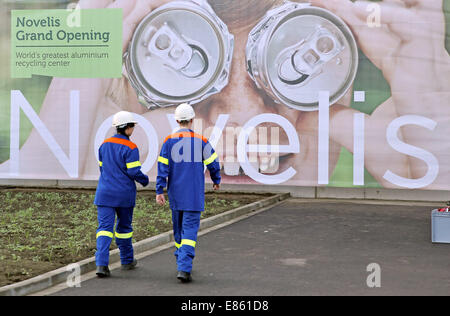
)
(121, 129)
(185, 122)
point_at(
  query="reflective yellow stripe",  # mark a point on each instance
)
(124, 236)
(210, 159)
(133, 164)
(188, 242)
(100, 163)
(105, 233)
(163, 160)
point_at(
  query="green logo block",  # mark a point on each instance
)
(79, 43)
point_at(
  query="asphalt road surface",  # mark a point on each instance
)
(301, 248)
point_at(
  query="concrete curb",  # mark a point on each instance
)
(308, 192)
(60, 275)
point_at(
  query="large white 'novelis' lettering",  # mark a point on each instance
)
(400, 146)
(70, 163)
(243, 148)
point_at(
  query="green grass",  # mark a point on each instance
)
(44, 230)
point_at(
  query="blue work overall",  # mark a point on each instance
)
(181, 165)
(116, 196)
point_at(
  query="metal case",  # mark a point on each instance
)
(440, 227)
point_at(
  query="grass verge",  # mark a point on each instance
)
(42, 230)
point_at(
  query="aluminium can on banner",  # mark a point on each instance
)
(182, 42)
(297, 50)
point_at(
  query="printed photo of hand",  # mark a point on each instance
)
(409, 48)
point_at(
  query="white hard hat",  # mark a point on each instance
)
(122, 118)
(184, 112)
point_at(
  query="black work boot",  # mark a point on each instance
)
(129, 266)
(184, 277)
(103, 271)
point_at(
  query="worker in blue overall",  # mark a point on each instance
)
(181, 165)
(116, 193)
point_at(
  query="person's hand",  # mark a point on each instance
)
(216, 187)
(409, 49)
(119, 90)
(160, 199)
(408, 46)
(133, 12)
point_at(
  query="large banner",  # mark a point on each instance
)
(327, 93)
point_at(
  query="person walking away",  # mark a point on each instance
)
(116, 193)
(181, 166)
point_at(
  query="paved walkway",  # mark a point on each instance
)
(300, 248)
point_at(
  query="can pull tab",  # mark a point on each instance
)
(190, 60)
(305, 60)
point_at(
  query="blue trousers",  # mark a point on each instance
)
(185, 230)
(105, 233)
